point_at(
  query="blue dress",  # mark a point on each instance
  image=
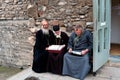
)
(74, 65)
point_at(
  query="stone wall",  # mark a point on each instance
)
(68, 12)
(19, 20)
(13, 9)
(15, 49)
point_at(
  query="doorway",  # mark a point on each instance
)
(115, 28)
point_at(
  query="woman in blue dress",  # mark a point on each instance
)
(77, 65)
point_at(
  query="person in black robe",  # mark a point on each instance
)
(44, 38)
(77, 65)
(55, 60)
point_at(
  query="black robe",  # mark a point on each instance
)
(55, 60)
(40, 55)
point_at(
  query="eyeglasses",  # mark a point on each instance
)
(45, 24)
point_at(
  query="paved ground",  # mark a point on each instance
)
(6, 72)
(110, 71)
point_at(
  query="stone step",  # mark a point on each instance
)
(104, 73)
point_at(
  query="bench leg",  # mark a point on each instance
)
(94, 73)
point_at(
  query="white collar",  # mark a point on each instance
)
(57, 36)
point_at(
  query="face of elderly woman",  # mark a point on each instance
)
(78, 31)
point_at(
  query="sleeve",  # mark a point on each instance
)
(65, 38)
(37, 49)
(70, 41)
(51, 38)
(90, 40)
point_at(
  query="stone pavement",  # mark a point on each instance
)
(110, 71)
